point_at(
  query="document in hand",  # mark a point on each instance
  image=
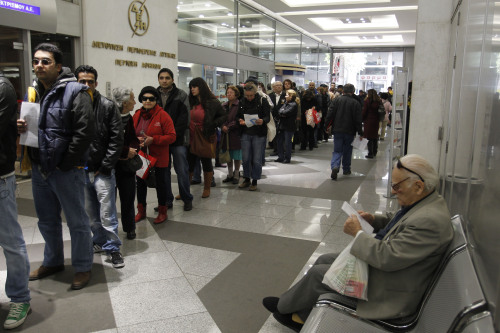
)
(250, 119)
(359, 144)
(30, 112)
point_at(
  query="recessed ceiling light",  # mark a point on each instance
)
(201, 16)
(229, 14)
(302, 3)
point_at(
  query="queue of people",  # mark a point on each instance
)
(88, 147)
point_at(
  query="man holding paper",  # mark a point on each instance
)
(402, 255)
(65, 131)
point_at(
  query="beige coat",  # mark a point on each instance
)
(402, 263)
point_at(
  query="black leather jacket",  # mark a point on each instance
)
(8, 127)
(178, 111)
(344, 114)
(106, 147)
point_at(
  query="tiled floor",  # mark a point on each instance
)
(167, 277)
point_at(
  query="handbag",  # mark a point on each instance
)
(151, 180)
(130, 165)
(148, 162)
(381, 112)
(201, 146)
(224, 156)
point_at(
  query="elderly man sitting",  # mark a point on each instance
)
(402, 256)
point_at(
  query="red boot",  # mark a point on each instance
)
(162, 215)
(141, 212)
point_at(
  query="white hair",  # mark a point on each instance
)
(121, 95)
(420, 165)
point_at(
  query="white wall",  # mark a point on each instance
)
(108, 22)
(429, 78)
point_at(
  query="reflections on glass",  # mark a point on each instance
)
(209, 23)
(287, 45)
(256, 33)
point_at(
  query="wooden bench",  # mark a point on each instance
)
(453, 302)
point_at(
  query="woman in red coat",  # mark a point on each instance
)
(155, 130)
(371, 121)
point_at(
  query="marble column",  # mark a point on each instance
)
(429, 78)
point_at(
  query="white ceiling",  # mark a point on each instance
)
(387, 22)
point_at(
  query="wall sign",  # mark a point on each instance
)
(20, 7)
(138, 17)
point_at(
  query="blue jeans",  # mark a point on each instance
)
(12, 242)
(100, 204)
(284, 142)
(342, 151)
(178, 154)
(251, 147)
(63, 190)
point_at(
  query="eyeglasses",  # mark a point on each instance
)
(44, 61)
(86, 81)
(149, 98)
(400, 165)
(397, 186)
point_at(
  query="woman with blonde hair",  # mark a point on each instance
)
(286, 126)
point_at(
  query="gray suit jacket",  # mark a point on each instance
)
(403, 262)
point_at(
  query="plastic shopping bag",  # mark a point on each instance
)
(348, 275)
(310, 117)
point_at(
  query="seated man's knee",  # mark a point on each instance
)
(327, 259)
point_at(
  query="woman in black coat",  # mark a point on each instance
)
(308, 101)
(286, 126)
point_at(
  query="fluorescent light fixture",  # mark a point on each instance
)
(349, 10)
(376, 40)
(306, 3)
(185, 64)
(333, 23)
(366, 33)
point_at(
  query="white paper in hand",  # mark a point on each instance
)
(351, 211)
(359, 144)
(250, 119)
(30, 112)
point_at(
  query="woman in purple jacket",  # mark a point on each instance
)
(232, 129)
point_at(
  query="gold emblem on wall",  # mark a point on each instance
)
(138, 17)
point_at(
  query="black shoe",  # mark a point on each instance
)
(369, 156)
(311, 148)
(195, 182)
(271, 303)
(286, 162)
(279, 160)
(286, 320)
(188, 205)
(117, 260)
(131, 235)
(228, 179)
(213, 183)
(335, 171)
(347, 173)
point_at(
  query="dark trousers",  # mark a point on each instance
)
(307, 136)
(125, 185)
(206, 163)
(372, 147)
(161, 188)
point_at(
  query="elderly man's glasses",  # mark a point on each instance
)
(397, 186)
(400, 165)
(149, 98)
(44, 61)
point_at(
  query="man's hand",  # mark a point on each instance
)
(131, 153)
(259, 122)
(146, 140)
(242, 122)
(224, 129)
(352, 226)
(367, 216)
(22, 127)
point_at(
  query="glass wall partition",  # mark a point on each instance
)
(309, 58)
(324, 64)
(256, 33)
(366, 70)
(287, 45)
(211, 23)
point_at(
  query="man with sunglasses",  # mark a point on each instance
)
(65, 131)
(402, 255)
(100, 182)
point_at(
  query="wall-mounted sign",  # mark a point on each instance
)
(138, 17)
(20, 7)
